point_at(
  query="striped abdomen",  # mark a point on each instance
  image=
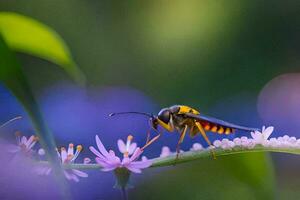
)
(208, 126)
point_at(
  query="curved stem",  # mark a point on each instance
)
(194, 155)
(9, 121)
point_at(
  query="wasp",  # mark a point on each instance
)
(185, 119)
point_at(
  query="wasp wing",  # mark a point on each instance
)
(219, 122)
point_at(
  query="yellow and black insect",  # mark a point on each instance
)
(183, 119)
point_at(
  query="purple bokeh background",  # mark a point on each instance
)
(18, 180)
(76, 115)
(279, 103)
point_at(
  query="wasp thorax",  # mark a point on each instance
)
(164, 115)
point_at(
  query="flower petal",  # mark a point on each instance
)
(41, 152)
(196, 147)
(165, 151)
(256, 135)
(144, 158)
(132, 148)
(63, 154)
(80, 173)
(23, 140)
(97, 153)
(48, 171)
(134, 170)
(31, 145)
(86, 160)
(141, 164)
(108, 163)
(101, 146)
(29, 141)
(136, 154)
(126, 161)
(267, 132)
(121, 146)
(75, 178)
(67, 175)
(71, 149)
(106, 169)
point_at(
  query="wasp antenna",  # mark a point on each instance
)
(9, 121)
(132, 112)
(111, 114)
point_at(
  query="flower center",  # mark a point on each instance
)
(128, 143)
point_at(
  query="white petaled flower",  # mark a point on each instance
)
(86, 160)
(66, 157)
(237, 141)
(251, 143)
(165, 151)
(196, 147)
(217, 143)
(262, 137)
(298, 143)
(273, 142)
(227, 144)
(23, 144)
(287, 142)
(293, 142)
(41, 152)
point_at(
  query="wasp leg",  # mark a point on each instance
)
(151, 141)
(148, 136)
(182, 134)
(169, 127)
(202, 131)
(193, 131)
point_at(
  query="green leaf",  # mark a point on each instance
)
(12, 76)
(27, 35)
(206, 179)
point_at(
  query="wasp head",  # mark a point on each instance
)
(164, 115)
(153, 122)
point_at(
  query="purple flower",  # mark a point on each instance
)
(109, 161)
(66, 157)
(23, 144)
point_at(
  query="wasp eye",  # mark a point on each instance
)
(153, 122)
(164, 115)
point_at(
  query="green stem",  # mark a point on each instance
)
(194, 155)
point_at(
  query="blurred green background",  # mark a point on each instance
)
(188, 52)
(193, 52)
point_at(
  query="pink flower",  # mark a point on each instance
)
(66, 157)
(23, 144)
(109, 161)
